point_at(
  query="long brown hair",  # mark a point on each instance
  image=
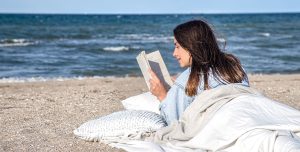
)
(198, 39)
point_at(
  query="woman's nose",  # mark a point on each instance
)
(174, 53)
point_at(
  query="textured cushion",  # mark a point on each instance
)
(120, 124)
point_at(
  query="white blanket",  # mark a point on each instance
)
(246, 121)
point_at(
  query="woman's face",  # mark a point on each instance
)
(182, 55)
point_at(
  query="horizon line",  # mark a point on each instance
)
(193, 13)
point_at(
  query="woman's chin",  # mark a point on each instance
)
(182, 65)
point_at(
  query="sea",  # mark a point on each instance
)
(37, 47)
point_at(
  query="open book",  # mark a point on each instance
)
(154, 61)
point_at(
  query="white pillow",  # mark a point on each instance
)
(145, 101)
(120, 124)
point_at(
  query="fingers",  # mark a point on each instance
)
(151, 85)
(153, 75)
(156, 87)
(173, 78)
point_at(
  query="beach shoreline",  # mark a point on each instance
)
(41, 115)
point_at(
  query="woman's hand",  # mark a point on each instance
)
(156, 86)
(174, 77)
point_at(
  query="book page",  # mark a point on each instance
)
(158, 66)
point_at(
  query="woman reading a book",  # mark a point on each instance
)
(196, 49)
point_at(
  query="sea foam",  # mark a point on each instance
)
(16, 42)
(265, 34)
(40, 79)
(116, 48)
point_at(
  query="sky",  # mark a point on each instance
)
(147, 6)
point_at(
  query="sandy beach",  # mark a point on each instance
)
(41, 116)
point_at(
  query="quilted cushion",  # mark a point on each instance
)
(120, 124)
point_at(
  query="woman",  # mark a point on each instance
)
(196, 49)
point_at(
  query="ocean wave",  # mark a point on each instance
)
(264, 34)
(150, 38)
(283, 36)
(16, 42)
(115, 39)
(45, 79)
(243, 47)
(221, 40)
(116, 48)
(242, 38)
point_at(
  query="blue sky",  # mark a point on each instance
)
(148, 6)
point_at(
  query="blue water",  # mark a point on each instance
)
(106, 45)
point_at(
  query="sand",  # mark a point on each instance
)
(41, 116)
